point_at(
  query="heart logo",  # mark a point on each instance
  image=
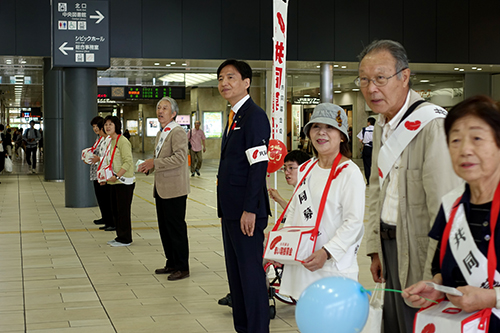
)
(413, 125)
(429, 328)
(275, 242)
(254, 155)
(380, 174)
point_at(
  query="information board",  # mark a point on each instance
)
(80, 34)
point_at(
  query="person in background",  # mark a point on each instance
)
(122, 183)
(171, 187)
(242, 199)
(127, 134)
(365, 137)
(341, 226)
(102, 192)
(473, 134)
(196, 139)
(2, 151)
(291, 164)
(409, 176)
(18, 143)
(31, 136)
(8, 142)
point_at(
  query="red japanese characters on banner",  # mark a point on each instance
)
(280, 14)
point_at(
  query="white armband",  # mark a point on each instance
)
(257, 154)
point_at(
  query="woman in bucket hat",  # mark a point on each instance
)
(341, 224)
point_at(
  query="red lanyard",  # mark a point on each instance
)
(114, 150)
(492, 255)
(331, 177)
(96, 143)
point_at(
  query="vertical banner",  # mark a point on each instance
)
(280, 13)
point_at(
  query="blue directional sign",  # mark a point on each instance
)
(80, 33)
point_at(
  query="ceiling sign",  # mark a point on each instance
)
(80, 34)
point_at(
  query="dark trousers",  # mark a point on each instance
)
(31, 156)
(2, 161)
(367, 162)
(103, 197)
(171, 215)
(398, 317)
(121, 205)
(247, 279)
(196, 160)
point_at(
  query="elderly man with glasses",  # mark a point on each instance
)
(410, 173)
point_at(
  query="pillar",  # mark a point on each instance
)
(326, 82)
(53, 122)
(477, 84)
(80, 106)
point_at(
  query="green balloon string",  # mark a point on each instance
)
(368, 291)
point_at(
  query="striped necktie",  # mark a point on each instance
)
(231, 116)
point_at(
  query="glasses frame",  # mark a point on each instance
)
(289, 169)
(357, 81)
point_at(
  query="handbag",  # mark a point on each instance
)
(8, 164)
(292, 245)
(374, 322)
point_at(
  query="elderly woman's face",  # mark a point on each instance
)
(325, 139)
(473, 150)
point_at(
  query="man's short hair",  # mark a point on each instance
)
(394, 48)
(298, 156)
(371, 120)
(2, 127)
(173, 104)
(242, 67)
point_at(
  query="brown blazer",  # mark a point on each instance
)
(171, 166)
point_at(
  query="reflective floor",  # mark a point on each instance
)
(57, 274)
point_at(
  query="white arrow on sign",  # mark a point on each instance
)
(63, 48)
(99, 17)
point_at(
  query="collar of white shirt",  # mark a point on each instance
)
(393, 123)
(240, 103)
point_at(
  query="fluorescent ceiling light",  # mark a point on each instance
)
(479, 69)
(173, 62)
(474, 67)
(424, 81)
(184, 64)
(461, 69)
(355, 89)
(337, 91)
(456, 68)
(157, 64)
(168, 65)
(307, 95)
(335, 66)
(190, 79)
(318, 66)
(344, 66)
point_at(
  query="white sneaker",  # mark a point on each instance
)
(120, 244)
(33, 171)
(111, 242)
(29, 171)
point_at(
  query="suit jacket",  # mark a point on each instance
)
(241, 186)
(171, 166)
(425, 175)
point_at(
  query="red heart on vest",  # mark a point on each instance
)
(254, 155)
(380, 174)
(413, 125)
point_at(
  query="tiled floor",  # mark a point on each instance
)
(57, 274)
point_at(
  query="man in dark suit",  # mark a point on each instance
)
(242, 200)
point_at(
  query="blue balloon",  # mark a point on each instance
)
(333, 304)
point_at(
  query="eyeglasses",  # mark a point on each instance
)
(289, 169)
(379, 81)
